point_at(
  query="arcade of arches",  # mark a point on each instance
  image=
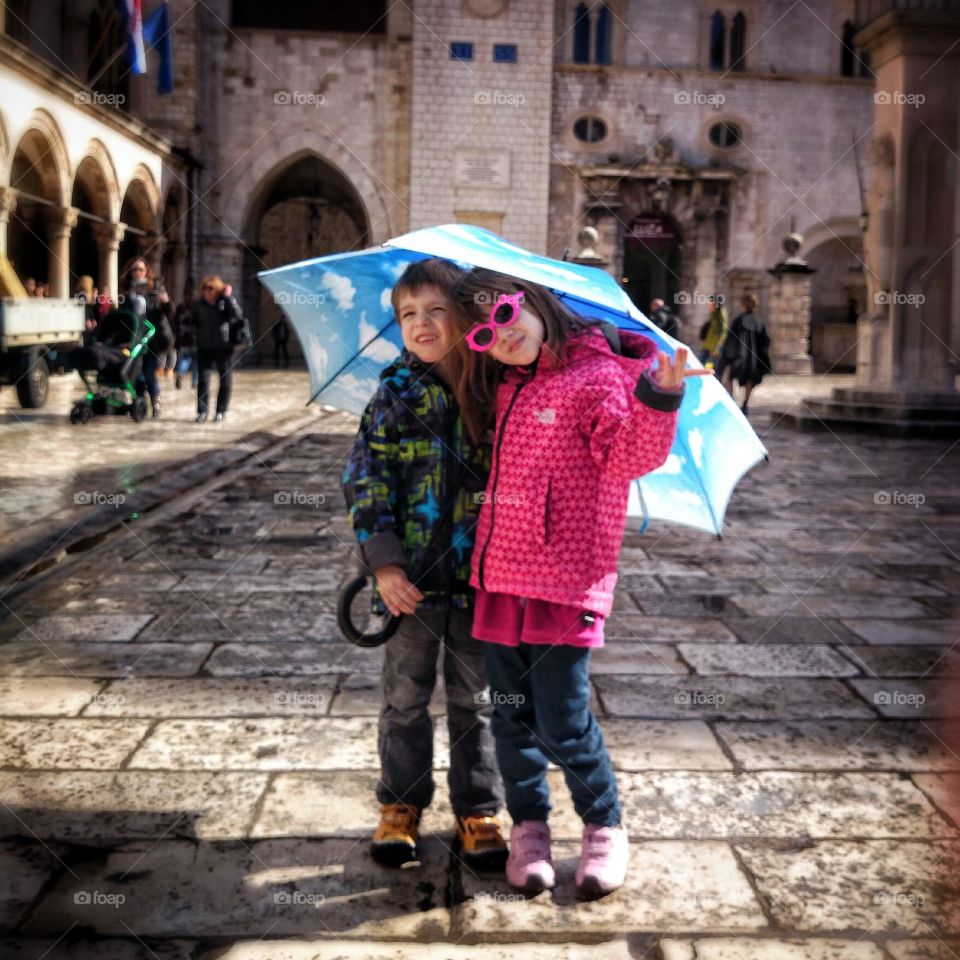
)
(59, 221)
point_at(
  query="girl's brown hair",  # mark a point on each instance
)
(476, 294)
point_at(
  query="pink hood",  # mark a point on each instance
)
(569, 440)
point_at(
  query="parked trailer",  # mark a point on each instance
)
(29, 329)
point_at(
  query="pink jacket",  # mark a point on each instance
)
(569, 439)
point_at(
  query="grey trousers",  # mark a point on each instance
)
(410, 667)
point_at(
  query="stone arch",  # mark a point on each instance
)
(42, 147)
(94, 196)
(241, 199)
(95, 168)
(173, 228)
(5, 157)
(139, 210)
(39, 172)
(303, 207)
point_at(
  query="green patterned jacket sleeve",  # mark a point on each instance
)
(370, 482)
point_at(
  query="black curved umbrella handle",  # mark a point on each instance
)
(346, 625)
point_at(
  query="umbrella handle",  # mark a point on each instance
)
(346, 625)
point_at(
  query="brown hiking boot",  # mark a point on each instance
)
(481, 844)
(395, 840)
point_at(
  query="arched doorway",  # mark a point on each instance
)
(173, 261)
(35, 177)
(140, 237)
(91, 197)
(652, 247)
(304, 208)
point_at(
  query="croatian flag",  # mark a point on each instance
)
(134, 21)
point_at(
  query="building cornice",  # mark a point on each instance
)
(21, 60)
(713, 76)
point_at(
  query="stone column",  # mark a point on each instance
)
(108, 237)
(8, 203)
(788, 323)
(60, 223)
(908, 334)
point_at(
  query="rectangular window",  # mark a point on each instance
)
(504, 53)
(461, 51)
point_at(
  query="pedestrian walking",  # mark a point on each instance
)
(746, 351)
(281, 337)
(215, 320)
(713, 331)
(579, 415)
(664, 318)
(413, 486)
(147, 297)
(186, 343)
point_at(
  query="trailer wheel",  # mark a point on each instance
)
(32, 380)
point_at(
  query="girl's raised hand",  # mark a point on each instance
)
(669, 374)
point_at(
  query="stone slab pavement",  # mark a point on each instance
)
(188, 748)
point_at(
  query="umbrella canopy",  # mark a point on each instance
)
(340, 308)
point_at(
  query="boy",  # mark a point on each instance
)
(412, 486)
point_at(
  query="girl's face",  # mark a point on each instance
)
(519, 344)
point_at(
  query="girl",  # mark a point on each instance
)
(578, 416)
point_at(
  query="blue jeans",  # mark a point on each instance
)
(541, 712)
(148, 376)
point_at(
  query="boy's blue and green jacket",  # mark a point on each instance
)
(409, 454)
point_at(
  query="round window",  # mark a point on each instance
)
(589, 129)
(725, 135)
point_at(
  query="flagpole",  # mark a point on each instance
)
(107, 65)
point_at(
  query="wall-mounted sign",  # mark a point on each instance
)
(482, 168)
(650, 231)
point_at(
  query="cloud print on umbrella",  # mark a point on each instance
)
(344, 318)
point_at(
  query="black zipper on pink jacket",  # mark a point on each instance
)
(496, 474)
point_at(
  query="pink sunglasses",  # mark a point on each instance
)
(503, 313)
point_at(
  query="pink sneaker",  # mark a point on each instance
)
(604, 852)
(530, 866)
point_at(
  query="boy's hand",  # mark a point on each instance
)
(398, 593)
(670, 374)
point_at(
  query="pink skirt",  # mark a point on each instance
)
(509, 620)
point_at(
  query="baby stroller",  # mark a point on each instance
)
(116, 355)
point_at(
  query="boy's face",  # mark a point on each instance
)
(425, 323)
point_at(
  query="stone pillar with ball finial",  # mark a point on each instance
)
(788, 323)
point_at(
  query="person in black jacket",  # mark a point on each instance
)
(214, 317)
(146, 295)
(746, 351)
(661, 315)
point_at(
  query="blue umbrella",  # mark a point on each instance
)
(340, 308)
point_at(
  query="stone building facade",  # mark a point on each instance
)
(693, 135)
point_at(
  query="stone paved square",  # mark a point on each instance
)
(779, 706)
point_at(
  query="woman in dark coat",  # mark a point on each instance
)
(746, 351)
(213, 316)
(146, 296)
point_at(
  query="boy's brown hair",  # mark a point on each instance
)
(465, 376)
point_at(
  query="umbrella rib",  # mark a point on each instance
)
(359, 353)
